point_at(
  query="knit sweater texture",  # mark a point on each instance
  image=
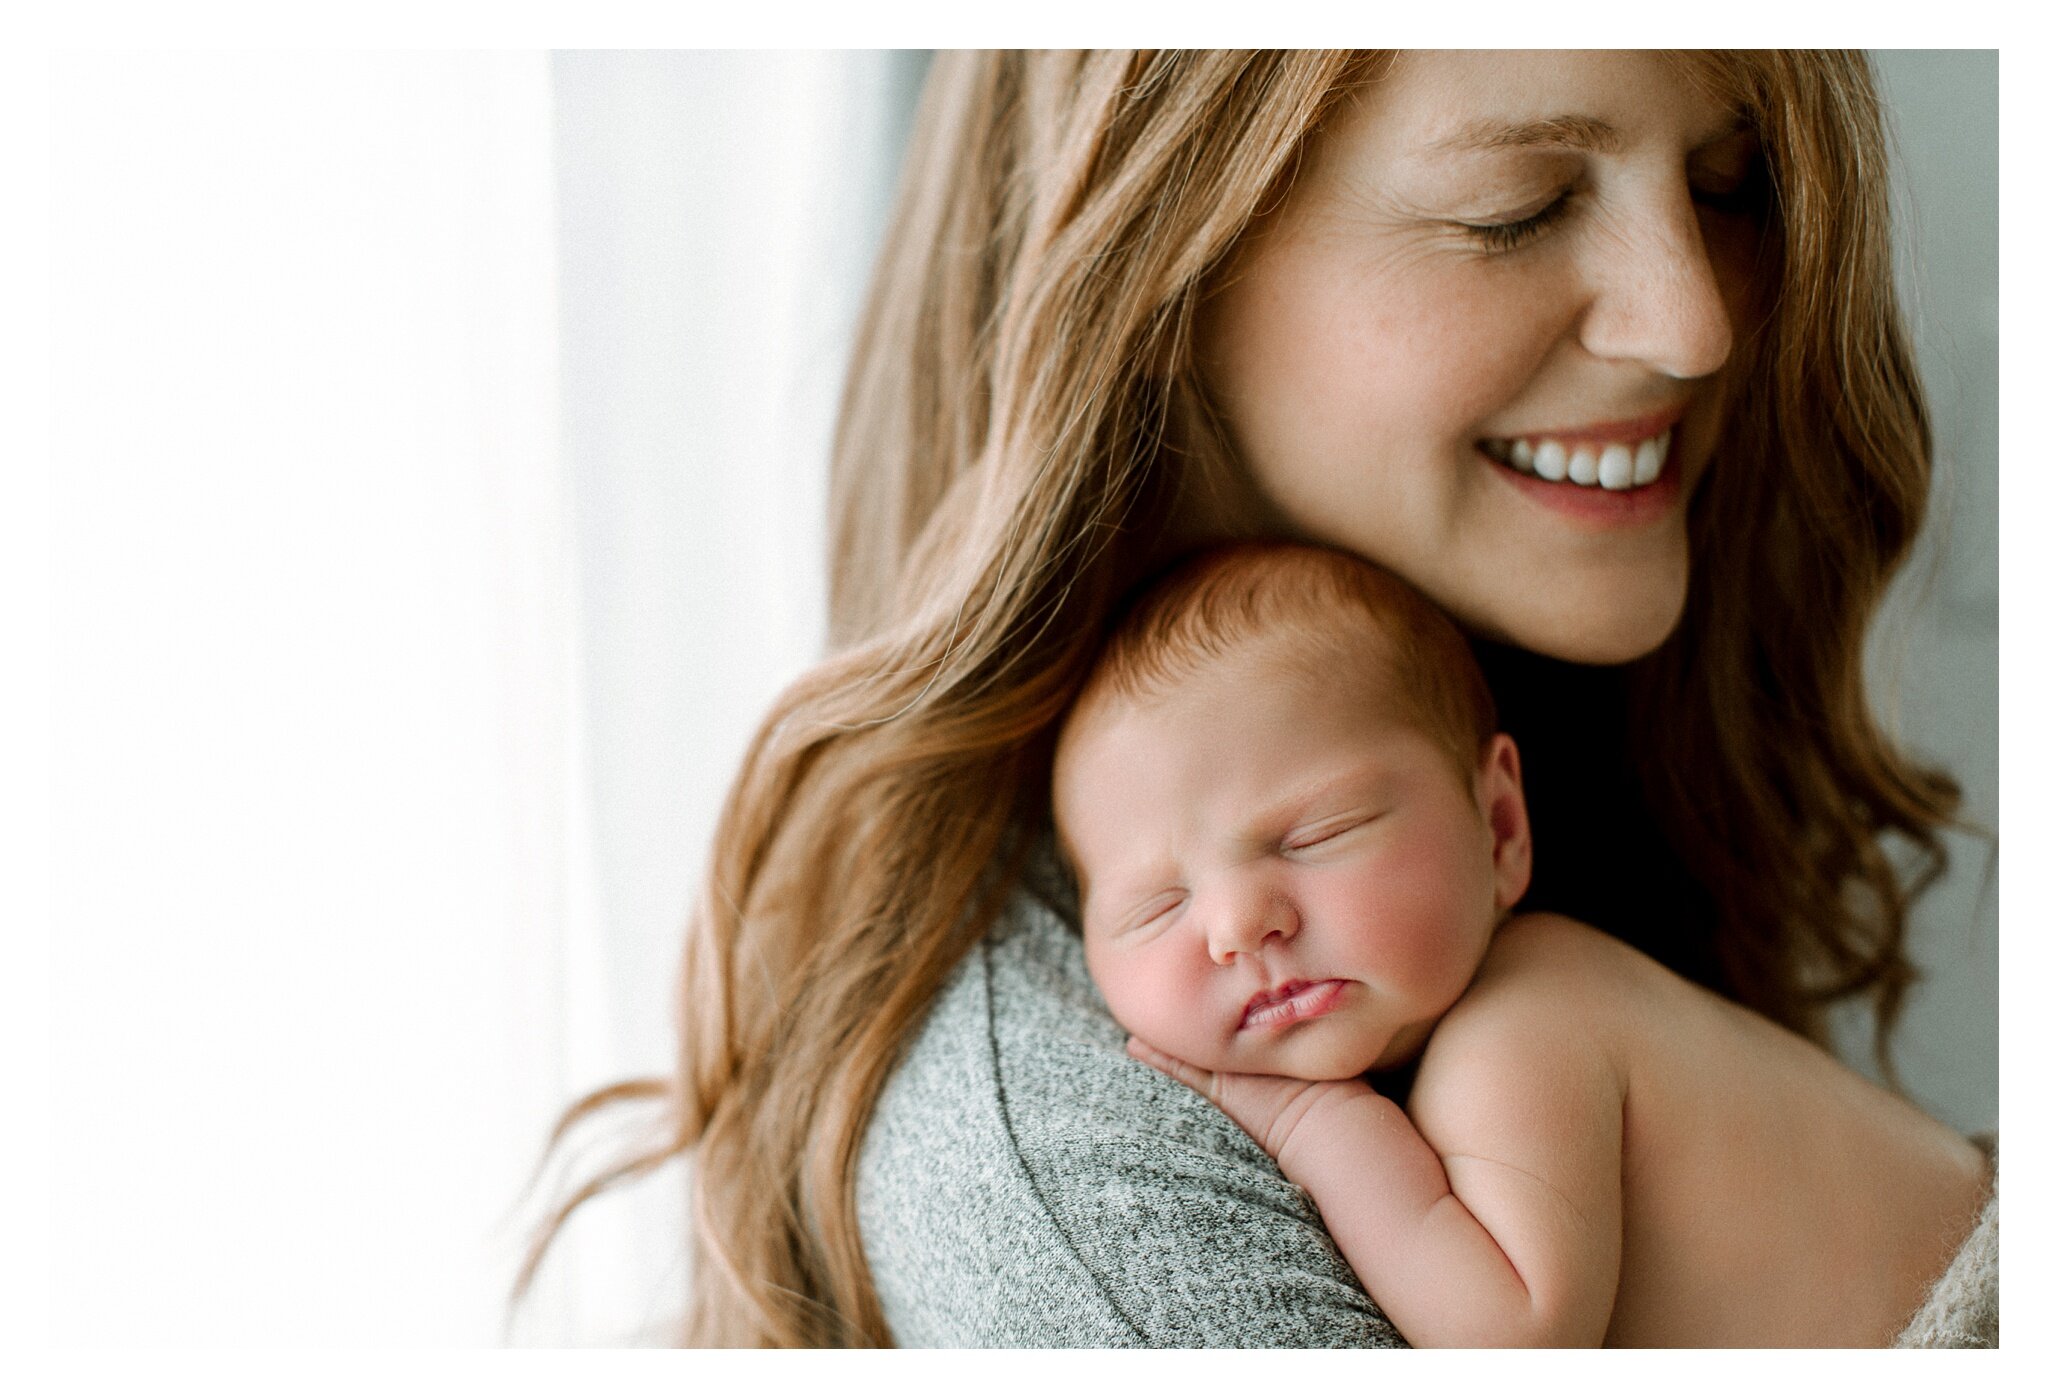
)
(1024, 1183)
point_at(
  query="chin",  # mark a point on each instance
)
(1328, 1063)
(1603, 648)
(1603, 635)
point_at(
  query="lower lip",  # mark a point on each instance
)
(1600, 508)
(1310, 1002)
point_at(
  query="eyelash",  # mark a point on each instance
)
(1165, 904)
(1324, 837)
(1506, 237)
(1743, 200)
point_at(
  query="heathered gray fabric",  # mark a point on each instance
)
(1025, 1183)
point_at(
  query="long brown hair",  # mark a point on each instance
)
(1007, 466)
(1761, 758)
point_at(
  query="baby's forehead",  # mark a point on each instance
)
(1116, 723)
(1352, 665)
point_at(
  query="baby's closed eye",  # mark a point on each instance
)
(1149, 916)
(1325, 833)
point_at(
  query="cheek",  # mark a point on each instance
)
(1430, 906)
(1158, 993)
(1446, 350)
(1314, 363)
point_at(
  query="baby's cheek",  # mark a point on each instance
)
(1437, 935)
(1162, 1001)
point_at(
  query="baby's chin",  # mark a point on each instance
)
(1324, 1062)
(1308, 1053)
(1338, 1062)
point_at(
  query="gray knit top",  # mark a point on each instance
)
(1025, 1183)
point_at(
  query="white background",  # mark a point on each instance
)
(437, 445)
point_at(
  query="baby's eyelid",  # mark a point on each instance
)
(1313, 835)
(1154, 909)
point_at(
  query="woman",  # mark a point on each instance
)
(1438, 309)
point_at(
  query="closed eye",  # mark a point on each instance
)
(1153, 911)
(1514, 233)
(1316, 836)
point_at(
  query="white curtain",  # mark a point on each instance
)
(309, 691)
(720, 214)
(353, 530)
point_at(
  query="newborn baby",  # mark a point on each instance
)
(1298, 841)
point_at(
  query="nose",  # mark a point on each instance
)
(1244, 918)
(1657, 300)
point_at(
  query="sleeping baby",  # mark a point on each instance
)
(1298, 842)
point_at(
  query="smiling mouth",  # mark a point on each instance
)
(1290, 1003)
(1616, 466)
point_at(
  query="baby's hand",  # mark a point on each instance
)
(1271, 1110)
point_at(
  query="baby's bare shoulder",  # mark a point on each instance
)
(1561, 958)
(1549, 985)
(1533, 1057)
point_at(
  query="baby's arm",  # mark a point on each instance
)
(1500, 1224)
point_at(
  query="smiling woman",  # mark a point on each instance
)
(1472, 318)
(1132, 303)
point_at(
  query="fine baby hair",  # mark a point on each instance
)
(1285, 801)
(1338, 609)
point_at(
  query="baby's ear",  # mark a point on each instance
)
(1499, 791)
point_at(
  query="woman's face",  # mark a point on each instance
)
(1486, 340)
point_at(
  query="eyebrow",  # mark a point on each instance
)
(1582, 132)
(1576, 132)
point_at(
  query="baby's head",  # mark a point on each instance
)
(1293, 826)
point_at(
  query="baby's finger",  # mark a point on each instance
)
(1201, 1080)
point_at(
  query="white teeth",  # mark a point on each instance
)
(1617, 467)
(1649, 462)
(1608, 465)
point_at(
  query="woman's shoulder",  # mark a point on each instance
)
(1025, 1182)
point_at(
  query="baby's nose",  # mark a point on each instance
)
(1250, 927)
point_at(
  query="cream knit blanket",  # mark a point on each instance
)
(1961, 1310)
